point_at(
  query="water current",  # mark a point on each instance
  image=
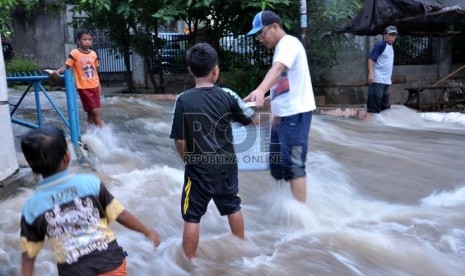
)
(385, 197)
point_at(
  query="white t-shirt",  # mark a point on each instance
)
(383, 55)
(293, 92)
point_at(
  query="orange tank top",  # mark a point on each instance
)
(84, 68)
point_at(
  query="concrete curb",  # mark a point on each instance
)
(153, 97)
(357, 112)
(346, 111)
(21, 178)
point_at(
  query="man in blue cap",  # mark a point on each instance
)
(291, 99)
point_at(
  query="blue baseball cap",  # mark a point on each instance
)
(263, 19)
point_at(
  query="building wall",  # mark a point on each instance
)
(41, 37)
(345, 83)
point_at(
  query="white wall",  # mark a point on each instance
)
(9, 162)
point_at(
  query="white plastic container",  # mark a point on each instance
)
(252, 146)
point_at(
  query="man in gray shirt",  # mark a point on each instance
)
(380, 64)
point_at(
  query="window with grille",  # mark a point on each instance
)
(413, 51)
(458, 49)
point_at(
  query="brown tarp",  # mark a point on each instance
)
(411, 17)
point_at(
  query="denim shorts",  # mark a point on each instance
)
(378, 98)
(289, 145)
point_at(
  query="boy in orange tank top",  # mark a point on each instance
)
(84, 62)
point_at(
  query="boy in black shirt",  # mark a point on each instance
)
(203, 137)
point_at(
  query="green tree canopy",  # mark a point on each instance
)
(7, 8)
(130, 23)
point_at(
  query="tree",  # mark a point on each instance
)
(8, 6)
(129, 25)
(214, 19)
(324, 16)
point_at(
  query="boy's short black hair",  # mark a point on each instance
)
(201, 59)
(81, 32)
(44, 149)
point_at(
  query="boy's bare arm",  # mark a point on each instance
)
(181, 148)
(131, 222)
(27, 266)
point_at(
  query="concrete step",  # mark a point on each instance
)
(347, 111)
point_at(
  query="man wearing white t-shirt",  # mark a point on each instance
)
(291, 98)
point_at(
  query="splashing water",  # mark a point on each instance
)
(383, 198)
(452, 117)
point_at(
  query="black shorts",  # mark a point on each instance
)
(197, 193)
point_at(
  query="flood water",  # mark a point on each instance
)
(384, 197)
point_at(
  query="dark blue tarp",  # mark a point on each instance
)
(411, 17)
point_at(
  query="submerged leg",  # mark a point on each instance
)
(299, 188)
(236, 223)
(190, 239)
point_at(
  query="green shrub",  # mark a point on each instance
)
(18, 64)
(242, 80)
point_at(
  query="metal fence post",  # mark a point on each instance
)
(72, 107)
(303, 22)
(38, 104)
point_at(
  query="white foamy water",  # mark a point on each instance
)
(453, 198)
(451, 117)
(384, 198)
(401, 116)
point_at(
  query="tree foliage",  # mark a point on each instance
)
(7, 8)
(132, 24)
(338, 11)
(219, 17)
(323, 17)
(128, 24)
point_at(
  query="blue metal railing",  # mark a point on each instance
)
(35, 82)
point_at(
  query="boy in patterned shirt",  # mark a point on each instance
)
(73, 211)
